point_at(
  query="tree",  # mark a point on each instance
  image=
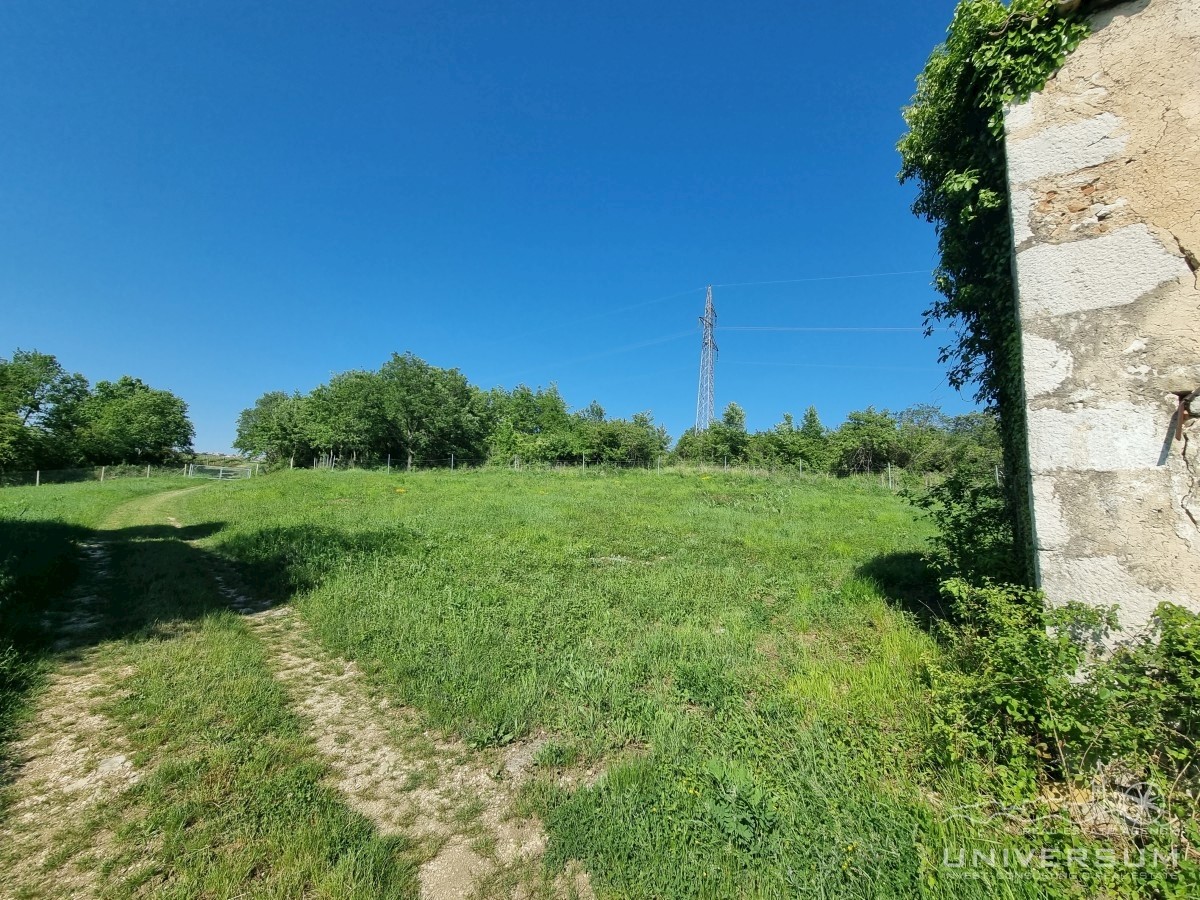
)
(33, 383)
(727, 440)
(428, 411)
(635, 440)
(38, 398)
(276, 427)
(20, 445)
(734, 417)
(349, 413)
(811, 427)
(593, 412)
(814, 442)
(723, 440)
(689, 446)
(924, 438)
(129, 421)
(535, 425)
(867, 441)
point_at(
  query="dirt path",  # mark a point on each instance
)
(457, 804)
(72, 761)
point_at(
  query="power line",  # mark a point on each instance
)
(839, 366)
(606, 353)
(667, 297)
(827, 278)
(608, 313)
(821, 329)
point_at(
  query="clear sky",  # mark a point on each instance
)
(225, 198)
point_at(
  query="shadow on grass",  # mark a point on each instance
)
(65, 588)
(908, 583)
(143, 581)
(285, 560)
(248, 786)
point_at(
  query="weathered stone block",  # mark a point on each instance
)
(1104, 178)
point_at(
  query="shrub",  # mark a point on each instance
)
(1006, 691)
(1022, 695)
(1153, 684)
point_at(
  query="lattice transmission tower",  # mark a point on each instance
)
(705, 400)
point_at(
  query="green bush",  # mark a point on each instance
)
(1031, 690)
(1007, 690)
(1152, 684)
(974, 538)
(1026, 695)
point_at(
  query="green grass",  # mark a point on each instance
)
(39, 528)
(723, 644)
(740, 656)
(234, 800)
(236, 805)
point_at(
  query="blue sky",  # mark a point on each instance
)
(226, 198)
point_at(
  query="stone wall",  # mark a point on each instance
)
(1104, 175)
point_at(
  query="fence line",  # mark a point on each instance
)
(890, 478)
(219, 473)
(38, 477)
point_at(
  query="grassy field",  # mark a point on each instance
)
(720, 674)
(233, 799)
(39, 530)
(721, 645)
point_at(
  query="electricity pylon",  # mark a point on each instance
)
(705, 401)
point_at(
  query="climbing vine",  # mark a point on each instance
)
(994, 54)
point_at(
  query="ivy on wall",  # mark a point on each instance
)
(994, 54)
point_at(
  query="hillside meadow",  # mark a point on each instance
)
(722, 646)
(716, 677)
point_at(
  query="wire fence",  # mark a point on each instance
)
(890, 478)
(39, 477)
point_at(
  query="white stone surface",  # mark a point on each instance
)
(1018, 116)
(1047, 365)
(1021, 206)
(1112, 438)
(1104, 183)
(1101, 581)
(1052, 530)
(1067, 148)
(1114, 269)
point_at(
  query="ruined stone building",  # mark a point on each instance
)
(1104, 177)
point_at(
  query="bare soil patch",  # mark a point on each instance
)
(71, 761)
(456, 802)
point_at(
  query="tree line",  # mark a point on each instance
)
(418, 414)
(920, 438)
(51, 418)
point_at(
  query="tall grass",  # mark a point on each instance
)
(234, 799)
(39, 531)
(724, 645)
